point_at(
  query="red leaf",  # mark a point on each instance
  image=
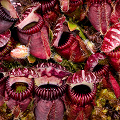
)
(115, 85)
(99, 16)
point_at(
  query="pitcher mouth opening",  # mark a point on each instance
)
(19, 87)
(50, 91)
(31, 27)
(51, 82)
(81, 89)
(100, 69)
(19, 90)
(82, 94)
(31, 22)
(65, 36)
